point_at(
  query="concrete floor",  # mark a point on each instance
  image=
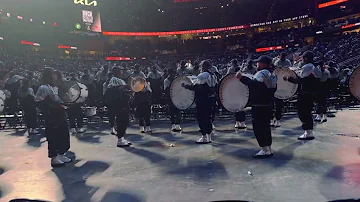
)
(325, 169)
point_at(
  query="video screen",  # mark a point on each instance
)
(91, 21)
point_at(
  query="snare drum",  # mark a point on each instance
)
(233, 94)
(73, 92)
(354, 83)
(285, 89)
(90, 111)
(182, 98)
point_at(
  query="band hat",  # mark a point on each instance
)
(264, 59)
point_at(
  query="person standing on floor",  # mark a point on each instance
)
(282, 63)
(175, 116)
(308, 80)
(28, 105)
(239, 116)
(56, 127)
(204, 87)
(262, 89)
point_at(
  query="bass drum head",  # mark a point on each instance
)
(354, 83)
(182, 98)
(285, 90)
(233, 94)
(84, 93)
(2, 105)
(2, 95)
(70, 91)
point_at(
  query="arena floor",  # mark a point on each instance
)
(153, 170)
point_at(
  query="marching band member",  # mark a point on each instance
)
(138, 72)
(175, 116)
(308, 80)
(101, 75)
(239, 116)
(282, 62)
(262, 89)
(142, 102)
(196, 68)
(27, 101)
(76, 116)
(323, 93)
(249, 68)
(215, 71)
(205, 94)
(183, 70)
(117, 98)
(154, 78)
(56, 127)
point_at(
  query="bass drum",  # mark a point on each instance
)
(2, 105)
(2, 95)
(285, 89)
(73, 92)
(354, 83)
(233, 94)
(182, 98)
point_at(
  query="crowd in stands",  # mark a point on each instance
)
(336, 48)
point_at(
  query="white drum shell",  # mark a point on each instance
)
(182, 98)
(233, 94)
(354, 83)
(90, 111)
(84, 93)
(76, 93)
(285, 89)
(2, 95)
(2, 105)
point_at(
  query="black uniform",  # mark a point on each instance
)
(205, 89)
(308, 81)
(175, 116)
(117, 98)
(261, 99)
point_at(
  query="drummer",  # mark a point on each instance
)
(56, 127)
(142, 103)
(323, 93)
(262, 89)
(75, 113)
(205, 87)
(239, 116)
(308, 79)
(138, 72)
(282, 62)
(175, 116)
(183, 70)
(117, 98)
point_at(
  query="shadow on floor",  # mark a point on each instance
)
(117, 196)
(36, 140)
(18, 132)
(73, 179)
(199, 170)
(344, 182)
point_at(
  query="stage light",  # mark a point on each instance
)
(44, 23)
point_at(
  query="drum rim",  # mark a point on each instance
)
(297, 85)
(350, 81)
(133, 78)
(78, 96)
(219, 92)
(2, 92)
(172, 83)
